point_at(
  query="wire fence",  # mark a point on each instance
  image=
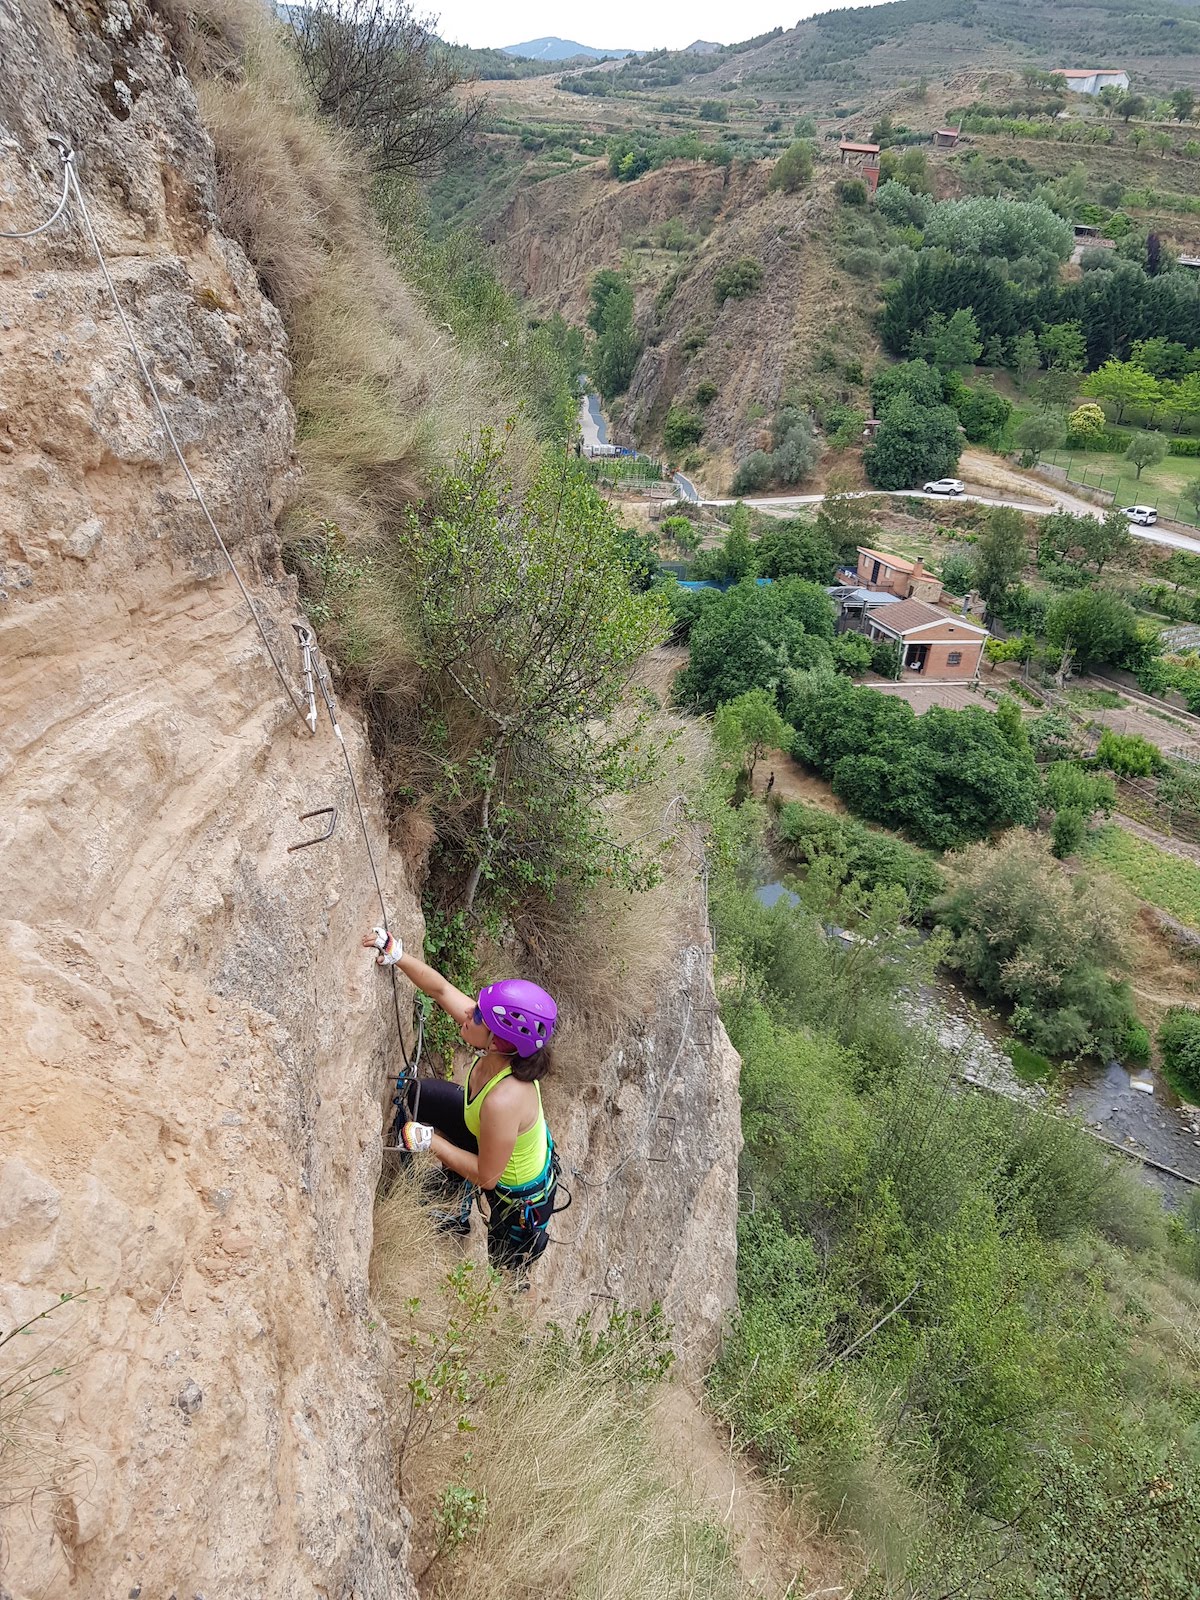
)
(1123, 486)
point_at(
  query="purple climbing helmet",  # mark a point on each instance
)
(520, 1013)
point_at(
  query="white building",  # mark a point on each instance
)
(1090, 80)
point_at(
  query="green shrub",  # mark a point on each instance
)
(945, 777)
(1135, 1043)
(751, 636)
(1071, 787)
(1179, 1043)
(682, 428)
(794, 167)
(1184, 447)
(754, 473)
(737, 279)
(1044, 943)
(958, 571)
(1067, 832)
(886, 659)
(864, 855)
(706, 392)
(1128, 754)
(852, 191)
(852, 654)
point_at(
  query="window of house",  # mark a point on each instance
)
(954, 659)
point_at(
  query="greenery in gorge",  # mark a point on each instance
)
(961, 1325)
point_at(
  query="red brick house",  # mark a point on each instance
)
(908, 579)
(933, 645)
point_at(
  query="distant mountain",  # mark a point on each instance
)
(702, 47)
(558, 50)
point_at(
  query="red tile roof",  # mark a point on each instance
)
(859, 149)
(914, 616)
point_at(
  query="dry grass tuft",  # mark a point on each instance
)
(608, 965)
(575, 1501)
(405, 1259)
(382, 395)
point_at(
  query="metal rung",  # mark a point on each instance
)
(320, 838)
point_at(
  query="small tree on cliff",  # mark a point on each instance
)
(528, 630)
(379, 72)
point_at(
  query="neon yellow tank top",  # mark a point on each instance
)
(528, 1159)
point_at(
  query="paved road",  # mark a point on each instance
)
(594, 430)
(1065, 502)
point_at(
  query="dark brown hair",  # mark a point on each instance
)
(528, 1069)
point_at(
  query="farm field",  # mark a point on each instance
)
(1163, 486)
(1165, 880)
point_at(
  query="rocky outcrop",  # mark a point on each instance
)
(650, 1151)
(757, 351)
(194, 1054)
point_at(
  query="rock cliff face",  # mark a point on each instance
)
(194, 1054)
(554, 236)
(650, 1154)
(195, 1049)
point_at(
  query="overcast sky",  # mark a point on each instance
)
(621, 24)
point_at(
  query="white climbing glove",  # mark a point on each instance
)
(390, 948)
(416, 1136)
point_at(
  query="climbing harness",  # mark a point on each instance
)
(519, 1218)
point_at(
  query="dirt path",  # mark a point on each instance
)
(793, 783)
(778, 1549)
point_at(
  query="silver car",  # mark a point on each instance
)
(944, 486)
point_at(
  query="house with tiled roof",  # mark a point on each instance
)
(908, 579)
(933, 644)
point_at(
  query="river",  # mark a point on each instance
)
(1148, 1122)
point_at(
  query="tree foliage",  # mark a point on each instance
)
(946, 777)
(752, 638)
(1123, 384)
(1146, 450)
(797, 549)
(1179, 1042)
(506, 583)
(914, 442)
(378, 72)
(948, 343)
(737, 279)
(615, 346)
(1095, 625)
(748, 725)
(981, 227)
(794, 167)
(1046, 944)
(1000, 556)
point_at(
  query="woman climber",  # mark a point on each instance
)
(491, 1131)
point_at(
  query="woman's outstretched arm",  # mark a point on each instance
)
(440, 990)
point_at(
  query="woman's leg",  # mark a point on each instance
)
(440, 1104)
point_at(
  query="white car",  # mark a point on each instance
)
(944, 486)
(1144, 516)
